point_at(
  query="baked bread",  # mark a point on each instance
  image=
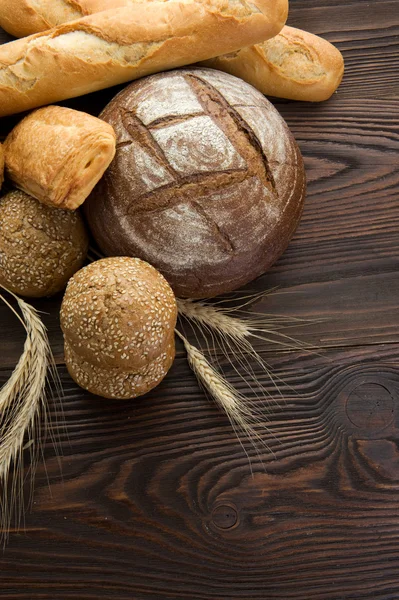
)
(118, 45)
(57, 155)
(40, 247)
(118, 313)
(294, 64)
(25, 17)
(207, 184)
(114, 383)
(1, 165)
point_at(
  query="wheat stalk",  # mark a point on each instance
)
(265, 327)
(237, 407)
(23, 409)
(234, 335)
(233, 338)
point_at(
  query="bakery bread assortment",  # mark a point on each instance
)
(191, 171)
(118, 317)
(40, 247)
(207, 183)
(294, 64)
(118, 45)
(57, 155)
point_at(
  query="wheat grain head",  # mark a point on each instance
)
(23, 413)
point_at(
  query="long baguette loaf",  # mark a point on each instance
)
(26, 17)
(119, 45)
(294, 64)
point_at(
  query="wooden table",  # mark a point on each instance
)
(154, 499)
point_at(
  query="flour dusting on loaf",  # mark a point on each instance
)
(209, 191)
(178, 99)
(121, 44)
(211, 147)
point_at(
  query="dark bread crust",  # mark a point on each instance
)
(207, 185)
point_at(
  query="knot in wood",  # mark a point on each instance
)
(224, 516)
(370, 406)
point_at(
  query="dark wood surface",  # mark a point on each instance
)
(154, 499)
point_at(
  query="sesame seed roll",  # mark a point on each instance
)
(41, 247)
(115, 383)
(119, 313)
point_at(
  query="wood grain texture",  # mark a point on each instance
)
(154, 499)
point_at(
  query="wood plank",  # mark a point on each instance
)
(331, 474)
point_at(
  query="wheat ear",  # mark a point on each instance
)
(234, 336)
(266, 327)
(233, 403)
(23, 412)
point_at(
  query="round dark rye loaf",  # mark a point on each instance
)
(207, 183)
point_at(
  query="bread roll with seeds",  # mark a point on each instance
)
(294, 64)
(57, 155)
(115, 383)
(1, 165)
(119, 313)
(40, 247)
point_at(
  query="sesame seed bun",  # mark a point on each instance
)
(41, 247)
(119, 313)
(115, 383)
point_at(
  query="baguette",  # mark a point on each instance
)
(119, 45)
(26, 17)
(295, 64)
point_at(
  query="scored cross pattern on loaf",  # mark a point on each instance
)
(203, 174)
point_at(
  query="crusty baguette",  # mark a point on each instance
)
(57, 155)
(26, 17)
(119, 45)
(294, 64)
